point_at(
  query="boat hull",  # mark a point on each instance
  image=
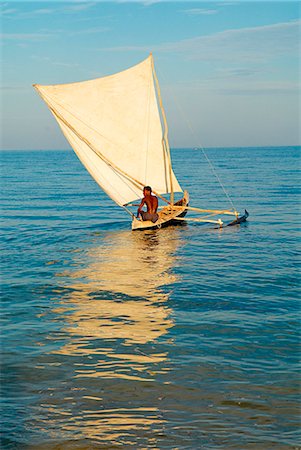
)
(167, 216)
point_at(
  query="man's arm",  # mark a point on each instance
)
(140, 206)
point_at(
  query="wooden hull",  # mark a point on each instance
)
(167, 216)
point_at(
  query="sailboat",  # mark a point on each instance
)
(118, 129)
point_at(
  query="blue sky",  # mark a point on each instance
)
(229, 71)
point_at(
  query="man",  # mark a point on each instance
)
(151, 203)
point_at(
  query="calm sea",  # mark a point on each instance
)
(181, 338)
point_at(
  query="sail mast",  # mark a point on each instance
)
(165, 142)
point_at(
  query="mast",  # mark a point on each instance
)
(165, 142)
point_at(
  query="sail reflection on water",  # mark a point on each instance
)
(113, 319)
(120, 293)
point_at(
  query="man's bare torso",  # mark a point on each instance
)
(151, 203)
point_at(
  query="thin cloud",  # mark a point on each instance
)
(13, 88)
(24, 36)
(78, 7)
(239, 86)
(64, 64)
(245, 44)
(40, 58)
(36, 13)
(263, 88)
(89, 31)
(142, 2)
(230, 3)
(239, 72)
(249, 45)
(130, 48)
(6, 12)
(49, 34)
(43, 11)
(200, 11)
(49, 61)
(56, 8)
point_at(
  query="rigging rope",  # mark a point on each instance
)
(200, 147)
(165, 142)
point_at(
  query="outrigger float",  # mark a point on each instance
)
(118, 129)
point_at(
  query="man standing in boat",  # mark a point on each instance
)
(151, 203)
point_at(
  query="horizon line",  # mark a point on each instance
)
(171, 148)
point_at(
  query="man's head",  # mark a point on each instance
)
(147, 190)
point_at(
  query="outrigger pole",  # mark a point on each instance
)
(213, 211)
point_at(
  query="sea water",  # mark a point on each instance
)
(180, 338)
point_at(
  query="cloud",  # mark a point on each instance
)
(14, 88)
(258, 92)
(24, 36)
(238, 85)
(49, 34)
(49, 61)
(43, 11)
(6, 12)
(18, 14)
(238, 72)
(244, 45)
(246, 61)
(56, 8)
(41, 58)
(200, 11)
(263, 88)
(130, 48)
(89, 31)
(142, 2)
(64, 64)
(76, 6)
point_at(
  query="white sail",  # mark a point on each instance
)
(114, 126)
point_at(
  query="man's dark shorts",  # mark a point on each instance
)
(153, 217)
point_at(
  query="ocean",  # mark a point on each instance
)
(186, 337)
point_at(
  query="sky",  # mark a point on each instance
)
(229, 71)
